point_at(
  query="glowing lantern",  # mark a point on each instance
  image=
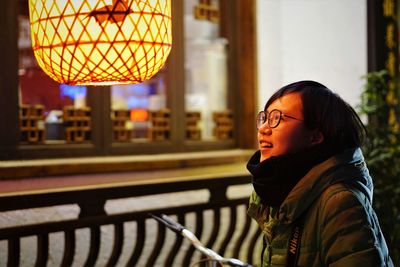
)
(100, 42)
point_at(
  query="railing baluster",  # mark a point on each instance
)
(14, 249)
(230, 232)
(244, 233)
(158, 246)
(94, 246)
(118, 243)
(198, 233)
(42, 250)
(177, 244)
(140, 237)
(215, 229)
(69, 248)
(252, 244)
(214, 232)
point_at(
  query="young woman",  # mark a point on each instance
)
(312, 190)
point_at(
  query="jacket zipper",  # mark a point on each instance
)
(263, 251)
(269, 254)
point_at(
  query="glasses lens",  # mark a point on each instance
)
(261, 118)
(274, 118)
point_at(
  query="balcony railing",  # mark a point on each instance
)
(132, 238)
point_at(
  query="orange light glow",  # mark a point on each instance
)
(100, 42)
(139, 115)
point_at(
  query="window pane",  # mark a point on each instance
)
(207, 113)
(139, 111)
(49, 112)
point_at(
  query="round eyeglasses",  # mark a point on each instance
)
(273, 117)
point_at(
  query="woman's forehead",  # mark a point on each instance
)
(289, 102)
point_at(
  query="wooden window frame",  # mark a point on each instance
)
(241, 33)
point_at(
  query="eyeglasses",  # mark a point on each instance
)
(274, 118)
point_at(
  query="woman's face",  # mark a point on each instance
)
(290, 135)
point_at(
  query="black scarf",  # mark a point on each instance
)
(274, 178)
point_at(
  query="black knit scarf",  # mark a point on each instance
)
(274, 178)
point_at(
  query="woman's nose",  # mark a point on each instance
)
(264, 129)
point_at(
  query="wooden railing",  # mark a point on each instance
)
(230, 231)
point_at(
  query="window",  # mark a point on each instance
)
(203, 98)
(206, 74)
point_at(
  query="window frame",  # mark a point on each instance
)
(237, 24)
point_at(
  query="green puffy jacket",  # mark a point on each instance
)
(340, 226)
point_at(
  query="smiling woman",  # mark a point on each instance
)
(292, 135)
(309, 174)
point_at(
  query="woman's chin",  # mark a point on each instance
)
(264, 156)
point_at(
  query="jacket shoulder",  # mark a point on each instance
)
(349, 229)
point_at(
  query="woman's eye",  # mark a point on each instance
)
(275, 117)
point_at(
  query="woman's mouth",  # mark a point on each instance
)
(264, 144)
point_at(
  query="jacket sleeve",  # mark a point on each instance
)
(350, 234)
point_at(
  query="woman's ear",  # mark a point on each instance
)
(317, 137)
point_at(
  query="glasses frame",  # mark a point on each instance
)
(264, 116)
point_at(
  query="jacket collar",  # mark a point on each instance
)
(347, 167)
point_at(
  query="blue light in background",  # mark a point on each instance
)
(140, 89)
(136, 96)
(72, 90)
(138, 102)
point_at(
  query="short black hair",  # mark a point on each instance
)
(327, 111)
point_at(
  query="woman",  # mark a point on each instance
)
(312, 191)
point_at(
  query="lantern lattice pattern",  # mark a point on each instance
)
(101, 42)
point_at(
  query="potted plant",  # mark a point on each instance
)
(382, 153)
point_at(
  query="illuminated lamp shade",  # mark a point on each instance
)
(100, 42)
